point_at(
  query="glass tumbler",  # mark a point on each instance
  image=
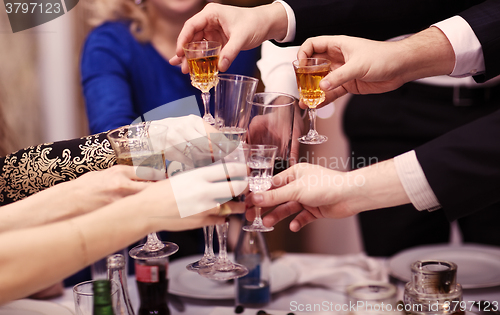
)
(371, 298)
(83, 296)
(433, 288)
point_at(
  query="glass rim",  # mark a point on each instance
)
(250, 99)
(81, 284)
(145, 124)
(418, 265)
(209, 43)
(390, 290)
(236, 77)
(326, 62)
(261, 147)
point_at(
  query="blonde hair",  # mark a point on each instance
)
(125, 10)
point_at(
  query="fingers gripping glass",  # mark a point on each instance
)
(222, 152)
(203, 60)
(309, 72)
(142, 146)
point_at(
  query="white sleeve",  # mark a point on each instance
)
(414, 182)
(290, 33)
(469, 59)
(276, 68)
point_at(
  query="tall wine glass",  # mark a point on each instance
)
(142, 146)
(272, 123)
(232, 111)
(260, 161)
(309, 73)
(224, 269)
(203, 60)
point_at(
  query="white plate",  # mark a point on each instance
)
(190, 284)
(33, 307)
(478, 266)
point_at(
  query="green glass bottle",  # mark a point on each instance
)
(102, 298)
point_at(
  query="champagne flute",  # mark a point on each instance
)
(142, 146)
(309, 72)
(260, 161)
(203, 59)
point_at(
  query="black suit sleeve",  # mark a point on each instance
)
(484, 20)
(372, 19)
(463, 166)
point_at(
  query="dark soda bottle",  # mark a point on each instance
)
(152, 285)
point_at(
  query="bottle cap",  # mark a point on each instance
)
(116, 261)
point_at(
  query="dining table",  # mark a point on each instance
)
(303, 281)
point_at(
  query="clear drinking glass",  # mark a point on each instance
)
(372, 298)
(260, 161)
(271, 123)
(433, 288)
(223, 152)
(309, 72)
(83, 296)
(142, 146)
(203, 60)
(232, 111)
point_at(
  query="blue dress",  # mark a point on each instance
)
(123, 79)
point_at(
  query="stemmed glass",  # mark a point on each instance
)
(203, 59)
(208, 258)
(201, 159)
(309, 72)
(260, 161)
(142, 146)
(225, 151)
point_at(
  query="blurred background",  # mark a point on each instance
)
(42, 101)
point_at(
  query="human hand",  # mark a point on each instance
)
(97, 189)
(183, 132)
(195, 198)
(236, 28)
(312, 191)
(316, 192)
(362, 66)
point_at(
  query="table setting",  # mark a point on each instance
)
(296, 279)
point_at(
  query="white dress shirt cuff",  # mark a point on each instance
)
(469, 59)
(290, 33)
(414, 182)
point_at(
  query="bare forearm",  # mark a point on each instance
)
(427, 53)
(276, 13)
(34, 258)
(38, 209)
(374, 187)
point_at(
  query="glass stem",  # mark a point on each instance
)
(153, 243)
(208, 233)
(206, 102)
(222, 235)
(258, 218)
(312, 122)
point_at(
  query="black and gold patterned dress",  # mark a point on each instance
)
(35, 168)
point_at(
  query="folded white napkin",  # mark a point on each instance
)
(336, 272)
